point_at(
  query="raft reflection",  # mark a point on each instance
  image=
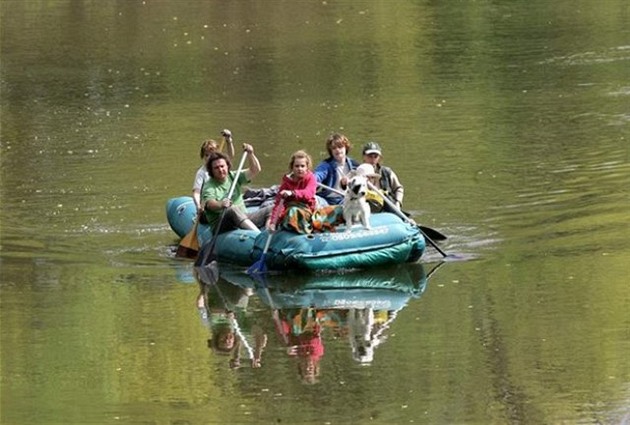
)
(356, 306)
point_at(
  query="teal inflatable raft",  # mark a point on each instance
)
(389, 241)
(388, 288)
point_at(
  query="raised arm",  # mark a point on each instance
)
(254, 164)
(227, 137)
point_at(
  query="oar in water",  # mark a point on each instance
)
(405, 218)
(206, 264)
(189, 245)
(432, 233)
(260, 266)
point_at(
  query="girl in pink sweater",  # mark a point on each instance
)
(295, 202)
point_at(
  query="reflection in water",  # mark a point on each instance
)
(358, 307)
(301, 331)
(223, 309)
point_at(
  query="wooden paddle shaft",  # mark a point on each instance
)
(238, 172)
(274, 221)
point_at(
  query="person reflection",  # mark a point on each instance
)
(301, 332)
(223, 310)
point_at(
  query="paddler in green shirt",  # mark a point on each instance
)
(215, 190)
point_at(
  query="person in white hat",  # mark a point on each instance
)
(387, 180)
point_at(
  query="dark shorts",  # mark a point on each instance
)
(234, 216)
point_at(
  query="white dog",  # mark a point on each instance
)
(355, 207)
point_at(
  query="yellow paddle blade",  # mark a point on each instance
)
(189, 245)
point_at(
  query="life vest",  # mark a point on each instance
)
(375, 199)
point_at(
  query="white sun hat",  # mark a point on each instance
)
(367, 170)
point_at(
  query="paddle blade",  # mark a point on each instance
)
(259, 276)
(206, 254)
(208, 273)
(433, 234)
(258, 267)
(189, 246)
(184, 251)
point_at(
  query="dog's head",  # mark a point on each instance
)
(357, 186)
(363, 351)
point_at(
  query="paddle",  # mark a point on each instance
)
(432, 233)
(206, 263)
(405, 218)
(260, 266)
(189, 245)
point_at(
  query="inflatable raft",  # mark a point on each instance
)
(388, 288)
(389, 241)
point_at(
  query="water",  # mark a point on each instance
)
(506, 121)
